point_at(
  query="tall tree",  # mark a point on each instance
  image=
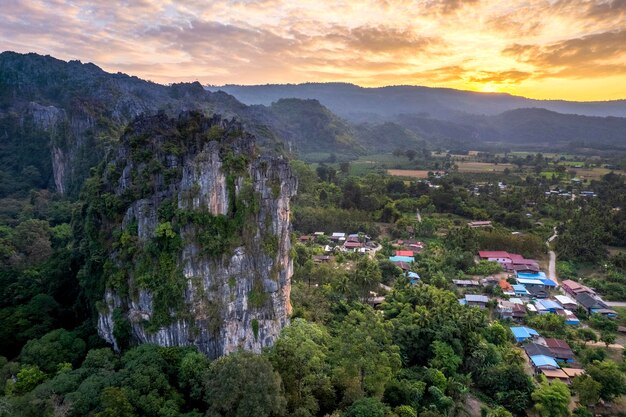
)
(552, 399)
(244, 384)
(363, 354)
(300, 356)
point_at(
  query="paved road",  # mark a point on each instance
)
(615, 303)
(552, 264)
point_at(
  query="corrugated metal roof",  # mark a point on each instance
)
(543, 360)
(474, 298)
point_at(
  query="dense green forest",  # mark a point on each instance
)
(421, 354)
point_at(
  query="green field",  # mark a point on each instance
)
(375, 162)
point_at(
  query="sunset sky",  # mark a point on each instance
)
(567, 49)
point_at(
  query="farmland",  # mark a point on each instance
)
(412, 173)
(480, 167)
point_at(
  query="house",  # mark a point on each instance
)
(573, 372)
(506, 287)
(509, 310)
(534, 349)
(476, 300)
(548, 306)
(520, 290)
(402, 265)
(500, 257)
(480, 224)
(465, 283)
(519, 312)
(538, 292)
(505, 309)
(524, 268)
(573, 288)
(560, 350)
(531, 308)
(516, 300)
(594, 305)
(305, 238)
(540, 276)
(520, 260)
(404, 253)
(529, 282)
(352, 244)
(543, 362)
(407, 259)
(354, 237)
(412, 245)
(523, 333)
(318, 234)
(414, 277)
(510, 261)
(338, 236)
(554, 374)
(566, 302)
(570, 318)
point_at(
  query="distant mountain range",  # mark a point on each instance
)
(58, 119)
(456, 118)
(359, 103)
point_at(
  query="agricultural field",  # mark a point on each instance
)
(412, 173)
(593, 173)
(368, 163)
(480, 167)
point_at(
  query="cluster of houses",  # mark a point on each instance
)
(568, 194)
(405, 251)
(341, 242)
(531, 292)
(551, 357)
(587, 298)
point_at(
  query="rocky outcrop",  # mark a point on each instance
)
(197, 228)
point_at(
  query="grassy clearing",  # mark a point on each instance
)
(367, 163)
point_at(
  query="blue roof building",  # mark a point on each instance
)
(543, 361)
(529, 281)
(549, 306)
(523, 333)
(520, 290)
(540, 276)
(414, 277)
(407, 259)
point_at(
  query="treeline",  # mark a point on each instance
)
(422, 355)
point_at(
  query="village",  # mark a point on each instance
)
(519, 291)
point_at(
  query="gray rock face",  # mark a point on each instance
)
(218, 315)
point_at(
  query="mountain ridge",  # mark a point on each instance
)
(266, 93)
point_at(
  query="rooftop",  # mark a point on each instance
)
(523, 332)
(555, 373)
(474, 298)
(407, 259)
(540, 361)
(493, 254)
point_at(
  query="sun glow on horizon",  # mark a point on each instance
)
(535, 48)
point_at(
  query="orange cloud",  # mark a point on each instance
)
(532, 47)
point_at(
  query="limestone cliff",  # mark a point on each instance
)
(189, 230)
